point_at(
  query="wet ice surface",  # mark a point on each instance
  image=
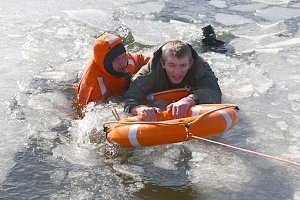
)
(228, 19)
(261, 77)
(248, 7)
(218, 4)
(285, 13)
(95, 18)
(171, 30)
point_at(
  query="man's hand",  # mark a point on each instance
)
(179, 108)
(148, 113)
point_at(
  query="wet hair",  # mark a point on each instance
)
(177, 49)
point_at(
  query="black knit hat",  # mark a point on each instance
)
(109, 58)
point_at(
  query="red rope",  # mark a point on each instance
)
(248, 151)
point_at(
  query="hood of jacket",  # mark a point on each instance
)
(105, 49)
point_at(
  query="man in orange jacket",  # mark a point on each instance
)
(109, 71)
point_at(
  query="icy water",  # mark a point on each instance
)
(44, 148)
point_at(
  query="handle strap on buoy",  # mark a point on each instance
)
(187, 132)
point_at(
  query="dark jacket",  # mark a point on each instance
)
(152, 78)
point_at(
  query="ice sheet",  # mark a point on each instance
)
(285, 13)
(229, 20)
(218, 3)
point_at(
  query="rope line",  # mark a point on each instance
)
(167, 123)
(248, 151)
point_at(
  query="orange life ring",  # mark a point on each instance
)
(202, 121)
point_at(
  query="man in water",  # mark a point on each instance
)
(108, 72)
(174, 65)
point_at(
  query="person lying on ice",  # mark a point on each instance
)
(108, 72)
(174, 65)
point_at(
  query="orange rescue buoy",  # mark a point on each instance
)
(202, 121)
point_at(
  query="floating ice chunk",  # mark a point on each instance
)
(48, 101)
(94, 18)
(185, 30)
(129, 170)
(297, 5)
(54, 75)
(149, 37)
(285, 13)
(273, 2)
(294, 130)
(145, 7)
(248, 7)
(294, 97)
(198, 156)
(285, 43)
(297, 195)
(263, 39)
(57, 177)
(247, 80)
(234, 187)
(168, 161)
(14, 35)
(245, 90)
(80, 194)
(224, 69)
(294, 149)
(282, 125)
(243, 45)
(165, 163)
(229, 20)
(12, 141)
(274, 116)
(218, 170)
(63, 32)
(218, 3)
(258, 31)
(75, 155)
(173, 30)
(296, 106)
(93, 120)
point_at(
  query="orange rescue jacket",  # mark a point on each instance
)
(96, 83)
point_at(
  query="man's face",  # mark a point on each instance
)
(120, 63)
(176, 68)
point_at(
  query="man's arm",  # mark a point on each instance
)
(208, 90)
(133, 97)
(139, 88)
(139, 61)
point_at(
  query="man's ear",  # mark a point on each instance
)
(191, 62)
(162, 62)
